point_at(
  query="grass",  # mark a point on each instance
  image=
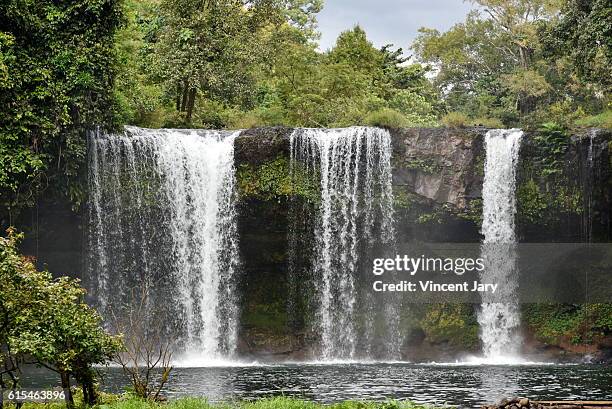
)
(455, 120)
(602, 120)
(201, 403)
(387, 118)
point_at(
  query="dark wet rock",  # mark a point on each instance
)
(441, 164)
(439, 171)
(259, 145)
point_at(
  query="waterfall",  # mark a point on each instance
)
(587, 180)
(162, 230)
(499, 321)
(354, 215)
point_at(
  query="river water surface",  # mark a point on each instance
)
(450, 384)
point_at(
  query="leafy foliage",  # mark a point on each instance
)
(455, 119)
(553, 140)
(555, 323)
(454, 323)
(584, 35)
(513, 60)
(282, 78)
(47, 320)
(56, 81)
(386, 118)
(275, 181)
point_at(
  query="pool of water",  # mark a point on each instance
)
(451, 384)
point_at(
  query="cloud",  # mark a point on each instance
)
(388, 21)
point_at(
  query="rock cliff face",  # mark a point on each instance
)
(439, 164)
(563, 194)
(437, 183)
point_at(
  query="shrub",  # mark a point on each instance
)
(455, 120)
(47, 321)
(386, 118)
(263, 116)
(564, 113)
(494, 123)
(246, 120)
(453, 323)
(602, 120)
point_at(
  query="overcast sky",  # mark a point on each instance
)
(388, 21)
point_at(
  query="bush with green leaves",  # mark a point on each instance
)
(57, 65)
(386, 118)
(455, 120)
(45, 321)
(574, 323)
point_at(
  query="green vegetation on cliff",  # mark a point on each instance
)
(275, 180)
(576, 324)
(551, 189)
(452, 323)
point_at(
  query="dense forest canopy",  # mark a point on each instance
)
(66, 67)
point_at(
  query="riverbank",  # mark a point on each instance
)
(114, 402)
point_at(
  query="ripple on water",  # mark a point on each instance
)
(435, 383)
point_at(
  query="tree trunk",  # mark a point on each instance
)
(85, 393)
(191, 103)
(178, 96)
(93, 397)
(2, 387)
(89, 393)
(85, 376)
(185, 94)
(65, 378)
(526, 103)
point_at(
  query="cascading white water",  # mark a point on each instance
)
(587, 180)
(163, 229)
(499, 315)
(355, 214)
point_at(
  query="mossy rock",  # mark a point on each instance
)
(275, 180)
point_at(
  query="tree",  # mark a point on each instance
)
(20, 282)
(56, 77)
(210, 47)
(46, 321)
(492, 59)
(345, 85)
(139, 96)
(467, 68)
(584, 34)
(517, 20)
(146, 352)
